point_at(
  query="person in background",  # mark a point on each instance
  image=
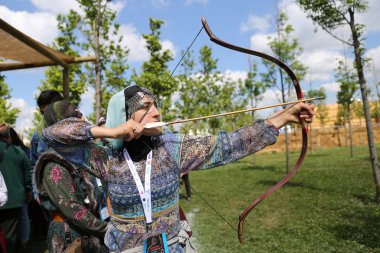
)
(142, 171)
(43, 101)
(39, 216)
(3, 200)
(3, 191)
(25, 222)
(72, 195)
(16, 172)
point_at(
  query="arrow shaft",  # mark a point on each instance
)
(240, 111)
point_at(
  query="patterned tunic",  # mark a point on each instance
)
(173, 154)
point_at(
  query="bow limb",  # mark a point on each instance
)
(300, 95)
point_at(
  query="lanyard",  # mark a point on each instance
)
(144, 192)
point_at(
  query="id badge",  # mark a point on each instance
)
(156, 244)
(103, 210)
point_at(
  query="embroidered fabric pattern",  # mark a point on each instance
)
(173, 154)
(67, 193)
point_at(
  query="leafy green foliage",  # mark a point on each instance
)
(7, 115)
(96, 31)
(253, 89)
(348, 87)
(329, 14)
(321, 113)
(287, 49)
(348, 84)
(66, 43)
(155, 73)
(208, 92)
(101, 31)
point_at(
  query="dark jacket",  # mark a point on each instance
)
(16, 172)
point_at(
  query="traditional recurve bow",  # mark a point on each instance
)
(297, 87)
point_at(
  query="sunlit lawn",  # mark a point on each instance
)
(327, 207)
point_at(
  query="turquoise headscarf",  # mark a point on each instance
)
(116, 115)
(122, 105)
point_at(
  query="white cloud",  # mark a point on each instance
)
(190, 2)
(135, 43)
(259, 42)
(374, 55)
(41, 26)
(235, 75)
(371, 17)
(26, 115)
(254, 22)
(372, 73)
(320, 64)
(117, 6)
(87, 101)
(168, 45)
(160, 3)
(304, 31)
(331, 87)
(56, 6)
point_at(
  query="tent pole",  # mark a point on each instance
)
(66, 90)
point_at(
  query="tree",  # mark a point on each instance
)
(155, 74)
(252, 88)
(333, 14)
(348, 87)
(190, 88)
(67, 43)
(101, 31)
(321, 112)
(94, 32)
(286, 49)
(206, 91)
(7, 115)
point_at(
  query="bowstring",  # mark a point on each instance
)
(183, 56)
(219, 214)
(212, 208)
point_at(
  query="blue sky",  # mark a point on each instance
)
(245, 23)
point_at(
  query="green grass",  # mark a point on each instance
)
(328, 206)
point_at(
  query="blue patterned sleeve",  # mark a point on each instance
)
(71, 131)
(205, 152)
(72, 139)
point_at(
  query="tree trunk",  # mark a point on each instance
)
(367, 113)
(287, 151)
(98, 92)
(338, 135)
(66, 83)
(350, 130)
(311, 138)
(345, 128)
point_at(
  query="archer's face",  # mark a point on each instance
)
(147, 114)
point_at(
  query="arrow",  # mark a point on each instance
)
(161, 124)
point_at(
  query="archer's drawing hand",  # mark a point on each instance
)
(129, 130)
